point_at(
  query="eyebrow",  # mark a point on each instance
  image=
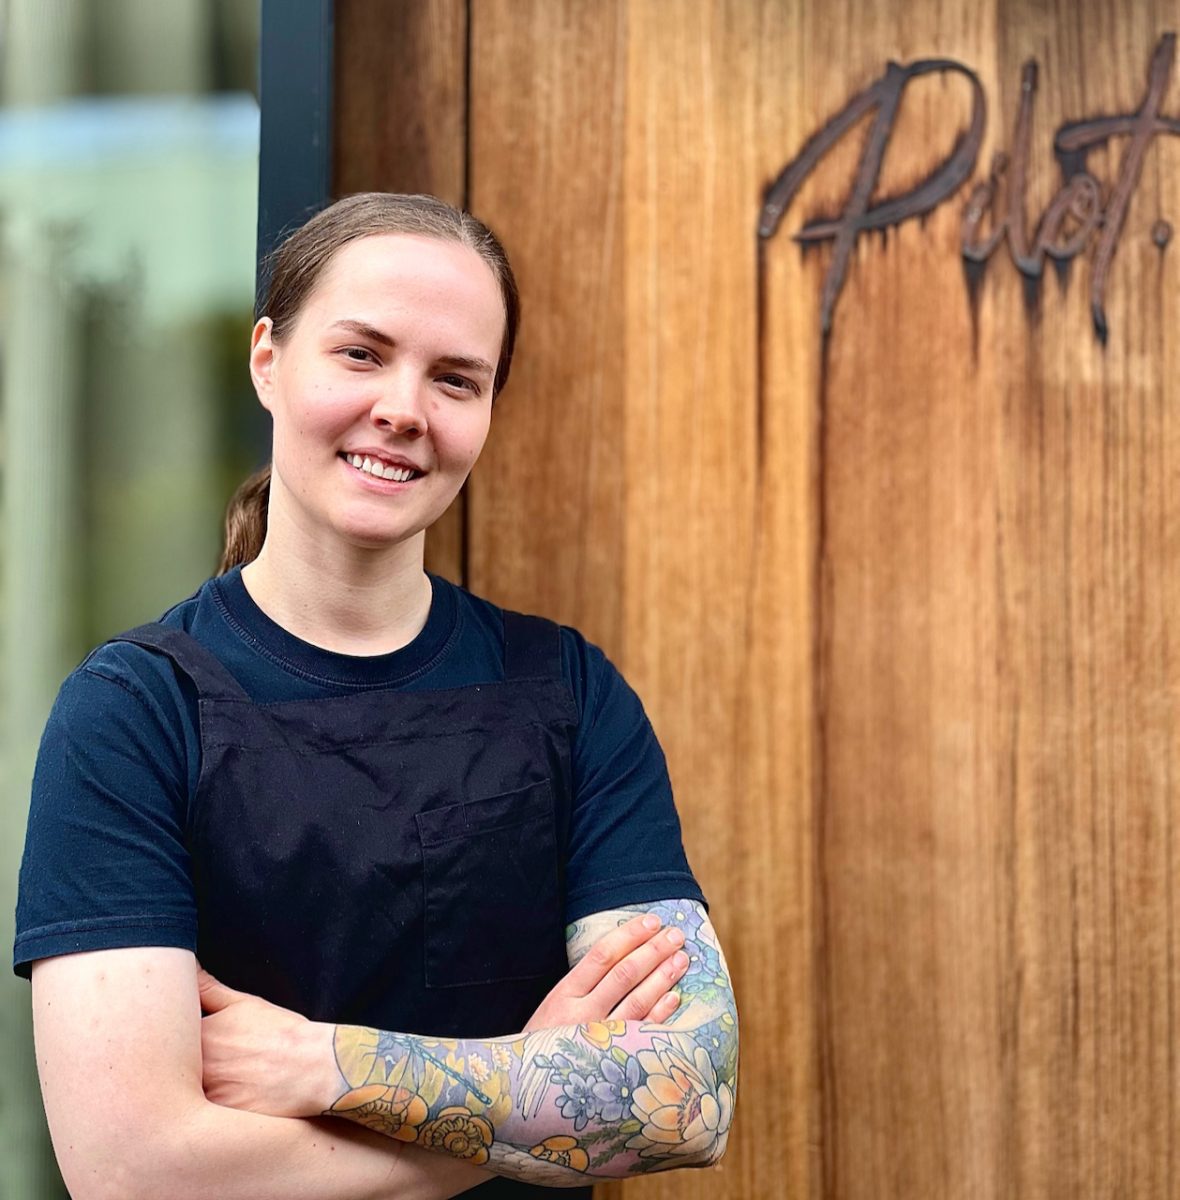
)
(365, 330)
(463, 361)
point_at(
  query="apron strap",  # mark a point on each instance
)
(532, 647)
(211, 679)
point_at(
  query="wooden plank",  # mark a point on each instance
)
(547, 499)
(718, 572)
(1089, 444)
(400, 125)
(998, 716)
(904, 886)
(632, 425)
(401, 97)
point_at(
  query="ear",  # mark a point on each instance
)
(263, 356)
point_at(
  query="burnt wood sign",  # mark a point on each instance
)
(1076, 214)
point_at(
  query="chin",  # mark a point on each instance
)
(378, 527)
(369, 530)
(368, 538)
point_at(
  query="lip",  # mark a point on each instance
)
(394, 460)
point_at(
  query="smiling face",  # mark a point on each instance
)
(381, 393)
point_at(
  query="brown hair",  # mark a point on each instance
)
(294, 269)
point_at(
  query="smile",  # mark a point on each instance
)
(379, 470)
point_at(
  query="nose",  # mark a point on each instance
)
(400, 408)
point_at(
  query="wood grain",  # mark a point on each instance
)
(400, 119)
(905, 888)
(1088, 442)
(717, 583)
(547, 499)
(994, 803)
(901, 603)
(400, 125)
(633, 427)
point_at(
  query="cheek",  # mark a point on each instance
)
(460, 435)
(476, 442)
(309, 416)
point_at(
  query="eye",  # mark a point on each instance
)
(461, 383)
(357, 354)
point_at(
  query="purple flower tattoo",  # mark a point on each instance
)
(616, 1088)
(577, 1099)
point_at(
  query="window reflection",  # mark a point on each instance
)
(128, 201)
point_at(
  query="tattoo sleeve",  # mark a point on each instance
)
(553, 1106)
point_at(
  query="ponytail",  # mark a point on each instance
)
(245, 521)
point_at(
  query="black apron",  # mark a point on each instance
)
(389, 859)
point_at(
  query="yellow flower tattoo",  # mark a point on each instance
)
(460, 1133)
(393, 1111)
(602, 1033)
(564, 1151)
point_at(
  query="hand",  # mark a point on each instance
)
(262, 1058)
(627, 974)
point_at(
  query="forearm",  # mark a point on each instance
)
(119, 1058)
(204, 1150)
(608, 1099)
(611, 1099)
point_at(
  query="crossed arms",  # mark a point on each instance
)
(119, 1049)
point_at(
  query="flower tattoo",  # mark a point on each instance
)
(615, 1090)
(460, 1133)
(393, 1111)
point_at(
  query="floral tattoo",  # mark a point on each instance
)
(609, 1098)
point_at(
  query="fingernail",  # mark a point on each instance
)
(675, 998)
(676, 937)
(680, 960)
(651, 921)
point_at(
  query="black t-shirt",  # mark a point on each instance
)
(106, 864)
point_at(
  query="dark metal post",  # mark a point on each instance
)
(295, 94)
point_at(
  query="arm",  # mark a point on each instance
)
(118, 1029)
(118, 1048)
(118, 1052)
(552, 1105)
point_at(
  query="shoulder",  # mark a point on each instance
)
(126, 700)
(592, 679)
(146, 675)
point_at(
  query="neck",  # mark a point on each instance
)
(348, 599)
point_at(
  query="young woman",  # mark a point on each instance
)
(362, 795)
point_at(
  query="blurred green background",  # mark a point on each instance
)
(128, 207)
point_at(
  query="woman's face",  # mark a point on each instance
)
(390, 366)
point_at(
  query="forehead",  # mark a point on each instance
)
(388, 280)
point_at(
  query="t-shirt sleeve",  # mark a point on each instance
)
(105, 861)
(625, 841)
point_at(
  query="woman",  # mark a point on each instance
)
(368, 797)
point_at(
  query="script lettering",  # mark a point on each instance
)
(1067, 225)
(858, 217)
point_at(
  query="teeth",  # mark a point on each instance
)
(372, 466)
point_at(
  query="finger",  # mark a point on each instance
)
(214, 994)
(663, 1008)
(627, 975)
(606, 953)
(639, 1002)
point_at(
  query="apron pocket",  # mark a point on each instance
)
(490, 889)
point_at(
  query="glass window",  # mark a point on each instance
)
(128, 208)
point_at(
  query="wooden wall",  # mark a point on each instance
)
(902, 602)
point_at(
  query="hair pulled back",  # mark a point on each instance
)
(295, 267)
